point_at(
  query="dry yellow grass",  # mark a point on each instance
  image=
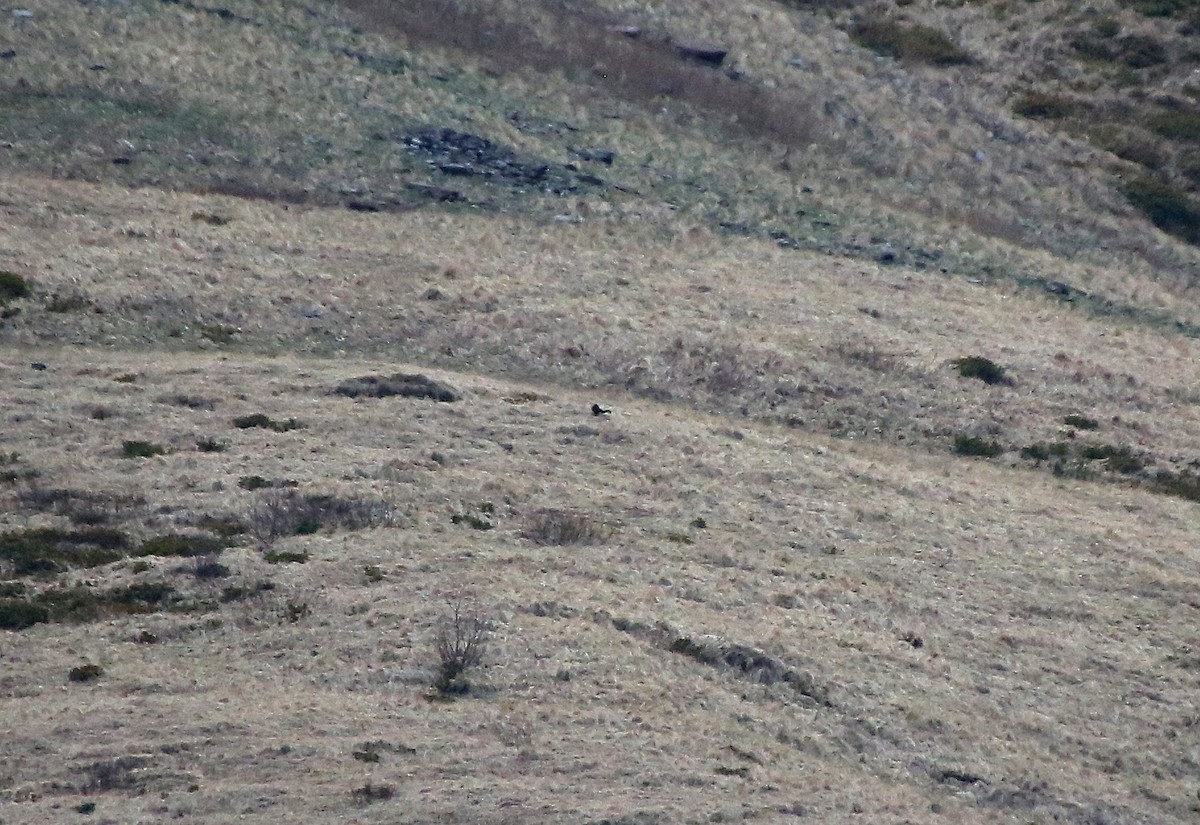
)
(1057, 658)
(964, 641)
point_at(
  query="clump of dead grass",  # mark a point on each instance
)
(559, 527)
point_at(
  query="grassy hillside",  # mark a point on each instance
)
(893, 517)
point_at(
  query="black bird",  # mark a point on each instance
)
(598, 410)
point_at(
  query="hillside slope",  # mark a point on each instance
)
(894, 513)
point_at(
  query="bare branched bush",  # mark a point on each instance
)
(560, 527)
(460, 642)
(289, 512)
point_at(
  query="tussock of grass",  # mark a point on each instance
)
(908, 41)
(564, 527)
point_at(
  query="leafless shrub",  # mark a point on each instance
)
(460, 642)
(114, 774)
(289, 512)
(561, 527)
(373, 793)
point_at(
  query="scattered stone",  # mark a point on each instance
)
(628, 31)
(460, 154)
(704, 53)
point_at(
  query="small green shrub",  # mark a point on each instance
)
(971, 445)
(85, 604)
(908, 41)
(253, 483)
(285, 557)
(12, 287)
(18, 614)
(177, 544)
(1081, 422)
(85, 673)
(140, 449)
(211, 445)
(1117, 459)
(374, 573)
(1044, 106)
(265, 422)
(1184, 484)
(1178, 124)
(1044, 452)
(49, 550)
(471, 520)
(984, 369)
(1168, 208)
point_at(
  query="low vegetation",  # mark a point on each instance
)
(909, 41)
(676, 375)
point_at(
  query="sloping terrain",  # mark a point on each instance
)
(889, 510)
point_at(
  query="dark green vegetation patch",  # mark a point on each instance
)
(264, 421)
(141, 449)
(975, 446)
(12, 287)
(984, 369)
(912, 42)
(1168, 208)
(46, 551)
(402, 384)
